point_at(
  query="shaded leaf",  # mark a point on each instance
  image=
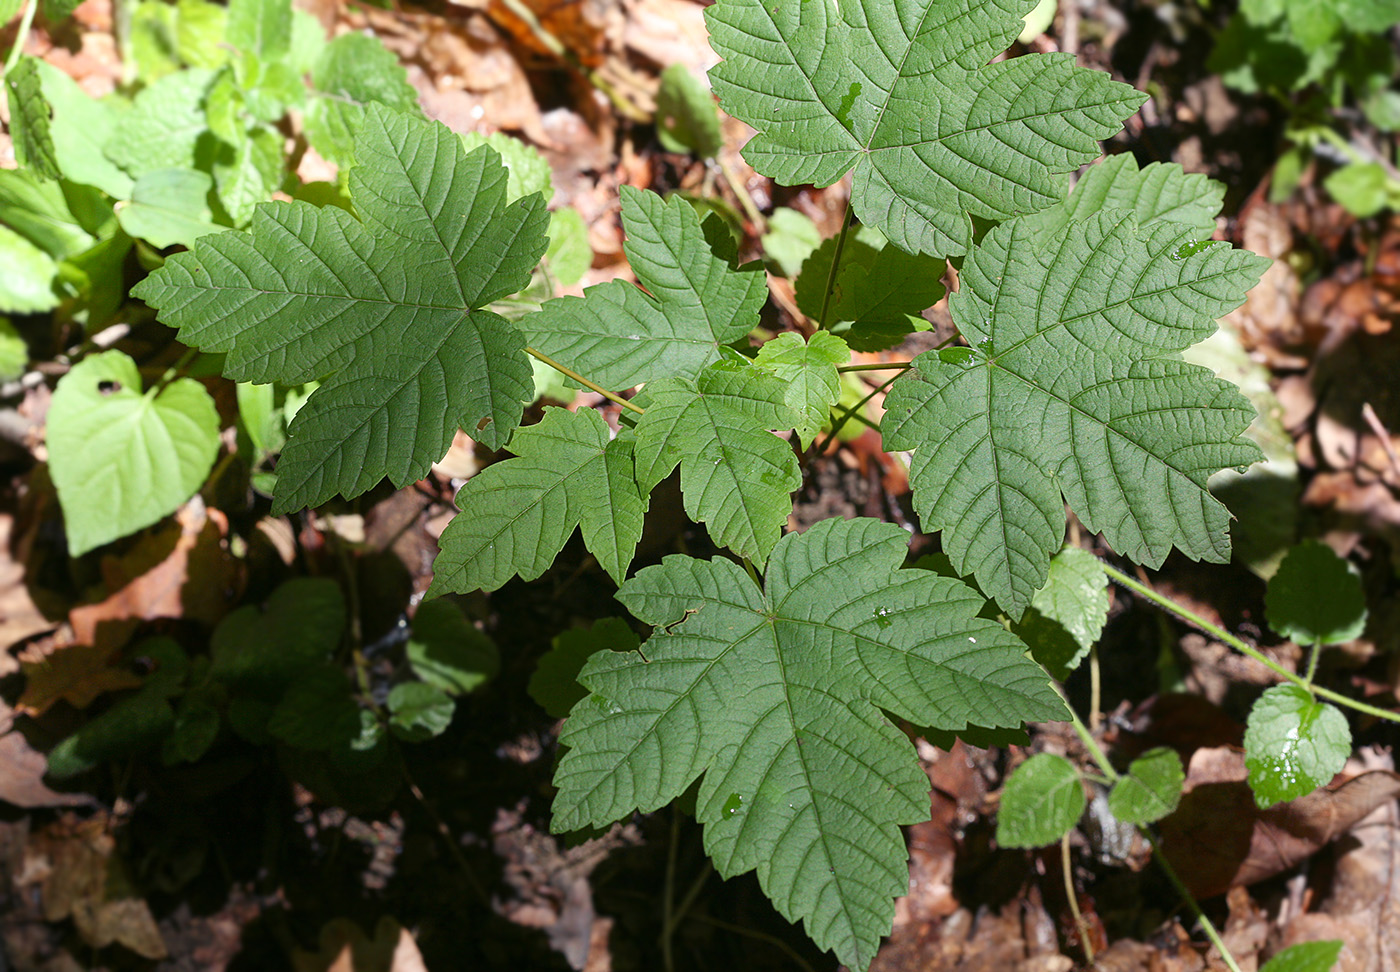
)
(447, 651)
(419, 711)
(1293, 744)
(1315, 598)
(1067, 615)
(686, 120)
(1150, 789)
(554, 684)
(1041, 802)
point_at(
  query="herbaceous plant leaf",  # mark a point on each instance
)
(353, 71)
(1067, 615)
(384, 310)
(901, 94)
(736, 476)
(1315, 598)
(164, 127)
(517, 514)
(142, 453)
(774, 695)
(619, 335)
(1159, 192)
(30, 117)
(1293, 743)
(1041, 802)
(1150, 790)
(1072, 391)
(809, 368)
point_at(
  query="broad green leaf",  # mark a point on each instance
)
(167, 36)
(1306, 957)
(419, 711)
(30, 117)
(260, 27)
(9, 9)
(163, 128)
(143, 453)
(1315, 598)
(554, 684)
(569, 255)
(169, 207)
(446, 650)
(1363, 188)
(901, 95)
(317, 711)
(620, 336)
(528, 171)
(81, 127)
(38, 210)
(1293, 744)
(248, 170)
(386, 309)
(1072, 391)
(686, 120)
(774, 695)
(1041, 802)
(809, 369)
(736, 476)
(1157, 193)
(516, 515)
(14, 352)
(353, 71)
(791, 238)
(26, 286)
(262, 649)
(880, 291)
(1067, 615)
(1151, 788)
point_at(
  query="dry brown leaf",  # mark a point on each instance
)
(668, 32)
(81, 878)
(580, 25)
(75, 673)
(22, 769)
(19, 617)
(1218, 838)
(344, 947)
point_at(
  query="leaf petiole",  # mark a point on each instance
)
(25, 23)
(835, 264)
(876, 366)
(575, 376)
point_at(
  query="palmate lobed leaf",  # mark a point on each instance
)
(775, 696)
(387, 309)
(900, 93)
(1073, 391)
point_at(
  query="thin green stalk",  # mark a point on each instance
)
(835, 262)
(574, 375)
(876, 366)
(753, 574)
(1067, 871)
(1221, 635)
(25, 23)
(848, 414)
(1314, 653)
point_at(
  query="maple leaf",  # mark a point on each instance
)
(774, 695)
(1072, 390)
(516, 515)
(900, 93)
(620, 336)
(385, 310)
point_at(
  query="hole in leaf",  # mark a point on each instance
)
(109, 387)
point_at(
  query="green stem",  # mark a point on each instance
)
(1313, 655)
(848, 414)
(1221, 635)
(575, 376)
(835, 263)
(876, 366)
(1067, 872)
(25, 23)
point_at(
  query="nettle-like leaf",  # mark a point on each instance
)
(30, 117)
(1150, 789)
(736, 476)
(809, 368)
(1314, 598)
(353, 71)
(386, 309)
(1072, 390)
(620, 336)
(775, 696)
(143, 453)
(900, 93)
(1042, 801)
(516, 515)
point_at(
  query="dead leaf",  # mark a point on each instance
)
(81, 878)
(75, 673)
(183, 570)
(344, 947)
(20, 618)
(22, 769)
(1218, 838)
(668, 32)
(581, 26)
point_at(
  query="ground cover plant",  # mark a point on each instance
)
(771, 688)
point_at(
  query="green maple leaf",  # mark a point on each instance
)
(809, 369)
(1072, 391)
(774, 695)
(900, 93)
(736, 476)
(516, 515)
(619, 335)
(385, 310)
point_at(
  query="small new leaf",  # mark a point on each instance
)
(1041, 802)
(1151, 788)
(809, 368)
(1067, 615)
(387, 309)
(736, 476)
(447, 651)
(621, 336)
(1293, 744)
(775, 696)
(516, 515)
(1072, 390)
(901, 95)
(1314, 598)
(145, 453)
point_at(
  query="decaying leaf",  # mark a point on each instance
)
(76, 673)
